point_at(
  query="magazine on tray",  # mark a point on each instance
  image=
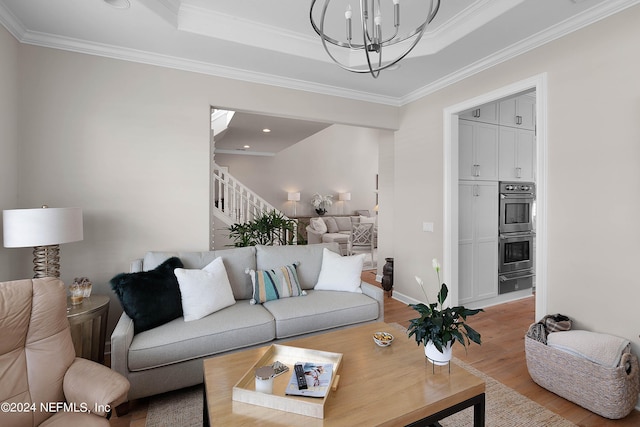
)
(318, 376)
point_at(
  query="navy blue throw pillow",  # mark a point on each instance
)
(150, 298)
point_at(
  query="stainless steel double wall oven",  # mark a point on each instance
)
(516, 236)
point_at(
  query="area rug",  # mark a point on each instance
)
(504, 408)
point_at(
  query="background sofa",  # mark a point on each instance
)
(169, 356)
(336, 229)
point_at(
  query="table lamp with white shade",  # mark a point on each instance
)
(44, 229)
(295, 198)
(344, 197)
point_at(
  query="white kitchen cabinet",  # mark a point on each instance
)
(516, 154)
(518, 112)
(478, 151)
(477, 241)
(487, 113)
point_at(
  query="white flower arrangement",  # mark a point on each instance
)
(321, 202)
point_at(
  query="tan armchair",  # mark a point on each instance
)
(42, 383)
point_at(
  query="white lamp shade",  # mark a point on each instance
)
(41, 227)
(293, 197)
(344, 197)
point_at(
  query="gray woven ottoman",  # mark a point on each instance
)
(611, 392)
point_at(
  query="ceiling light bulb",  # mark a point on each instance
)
(247, 146)
(266, 130)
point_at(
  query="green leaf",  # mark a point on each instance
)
(442, 295)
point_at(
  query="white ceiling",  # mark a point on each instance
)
(272, 42)
(244, 134)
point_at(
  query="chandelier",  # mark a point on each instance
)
(373, 41)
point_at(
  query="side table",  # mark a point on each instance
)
(88, 322)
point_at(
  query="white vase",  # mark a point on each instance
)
(438, 357)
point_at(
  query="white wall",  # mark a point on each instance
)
(593, 173)
(8, 143)
(129, 143)
(337, 159)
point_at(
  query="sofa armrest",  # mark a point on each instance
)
(93, 386)
(377, 294)
(313, 236)
(121, 339)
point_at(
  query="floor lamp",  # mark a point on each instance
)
(44, 229)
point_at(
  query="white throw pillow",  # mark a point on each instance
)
(204, 291)
(319, 225)
(340, 273)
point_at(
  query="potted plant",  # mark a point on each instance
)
(438, 328)
(321, 203)
(270, 228)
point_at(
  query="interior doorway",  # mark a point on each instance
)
(537, 83)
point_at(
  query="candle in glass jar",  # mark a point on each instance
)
(264, 379)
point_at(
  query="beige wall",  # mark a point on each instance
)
(8, 142)
(129, 143)
(335, 160)
(593, 173)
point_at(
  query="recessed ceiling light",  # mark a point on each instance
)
(266, 130)
(118, 4)
(247, 146)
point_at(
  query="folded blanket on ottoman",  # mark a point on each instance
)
(603, 349)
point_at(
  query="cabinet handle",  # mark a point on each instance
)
(476, 192)
(518, 120)
(476, 113)
(476, 170)
(518, 172)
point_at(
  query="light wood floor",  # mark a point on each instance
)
(500, 356)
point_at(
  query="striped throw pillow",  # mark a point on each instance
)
(281, 282)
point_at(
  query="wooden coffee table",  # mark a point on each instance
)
(379, 386)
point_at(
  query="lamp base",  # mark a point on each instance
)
(46, 261)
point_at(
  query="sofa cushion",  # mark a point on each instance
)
(332, 226)
(150, 298)
(280, 282)
(368, 220)
(204, 291)
(340, 238)
(340, 273)
(343, 222)
(320, 310)
(236, 261)
(318, 225)
(309, 257)
(238, 326)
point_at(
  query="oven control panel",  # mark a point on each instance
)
(517, 187)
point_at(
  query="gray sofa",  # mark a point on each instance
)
(169, 357)
(338, 231)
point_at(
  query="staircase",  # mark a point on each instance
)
(233, 202)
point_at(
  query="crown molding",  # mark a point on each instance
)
(11, 23)
(134, 55)
(244, 152)
(588, 17)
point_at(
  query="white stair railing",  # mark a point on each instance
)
(234, 203)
